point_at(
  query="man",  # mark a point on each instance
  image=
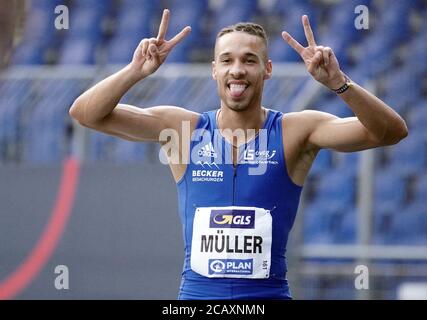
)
(236, 223)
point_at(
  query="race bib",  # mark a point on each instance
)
(232, 242)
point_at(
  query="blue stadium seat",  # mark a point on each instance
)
(341, 18)
(85, 32)
(336, 107)
(28, 53)
(120, 49)
(346, 233)
(410, 225)
(397, 17)
(401, 89)
(180, 54)
(85, 22)
(358, 74)
(375, 55)
(100, 6)
(148, 5)
(231, 12)
(322, 164)
(414, 57)
(420, 188)
(40, 20)
(383, 220)
(348, 162)
(39, 32)
(323, 221)
(192, 13)
(295, 8)
(45, 4)
(134, 23)
(337, 187)
(390, 188)
(417, 117)
(78, 51)
(279, 49)
(409, 156)
(424, 16)
(316, 227)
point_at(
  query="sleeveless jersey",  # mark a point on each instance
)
(236, 218)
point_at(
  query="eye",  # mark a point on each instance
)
(225, 60)
(251, 60)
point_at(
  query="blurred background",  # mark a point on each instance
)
(119, 237)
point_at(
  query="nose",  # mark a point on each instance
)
(237, 70)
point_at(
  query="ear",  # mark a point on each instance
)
(268, 70)
(213, 70)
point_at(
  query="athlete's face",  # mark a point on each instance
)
(240, 68)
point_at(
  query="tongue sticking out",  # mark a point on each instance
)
(236, 90)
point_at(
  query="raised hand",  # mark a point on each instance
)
(320, 61)
(151, 53)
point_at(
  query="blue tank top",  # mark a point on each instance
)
(227, 256)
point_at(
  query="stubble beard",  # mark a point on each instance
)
(238, 107)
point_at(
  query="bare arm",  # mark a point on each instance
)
(98, 108)
(375, 124)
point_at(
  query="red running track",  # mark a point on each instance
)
(29, 269)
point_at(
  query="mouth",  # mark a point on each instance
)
(237, 89)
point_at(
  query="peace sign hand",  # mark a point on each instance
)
(151, 53)
(320, 61)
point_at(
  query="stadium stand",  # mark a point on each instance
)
(35, 128)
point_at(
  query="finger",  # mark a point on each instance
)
(146, 53)
(308, 32)
(318, 57)
(154, 52)
(163, 25)
(144, 47)
(292, 42)
(178, 38)
(322, 51)
(315, 62)
(151, 42)
(327, 55)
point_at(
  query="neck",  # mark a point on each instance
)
(252, 118)
(233, 124)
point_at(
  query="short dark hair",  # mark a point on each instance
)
(249, 28)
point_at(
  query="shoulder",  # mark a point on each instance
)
(298, 126)
(175, 117)
(180, 112)
(307, 116)
(306, 120)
